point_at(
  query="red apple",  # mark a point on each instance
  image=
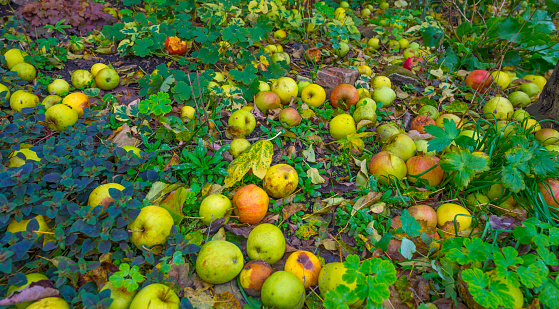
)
(420, 122)
(424, 213)
(479, 80)
(419, 164)
(550, 192)
(344, 96)
(412, 62)
(387, 165)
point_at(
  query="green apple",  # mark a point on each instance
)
(301, 85)
(25, 71)
(344, 4)
(263, 86)
(499, 107)
(283, 290)
(16, 161)
(107, 79)
(280, 34)
(341, 126)
(520, 115)
(519, 99)
(385, 95)
(365, 102)
(96, 68)
(32, 277)
(101, 196)
(343, 50)
(219, 261)
(14, 56)
(285, 88)
(213, 207)
(122, 298)
(367, 112)
(401, 145)
(81, 78)
(59, 86)
(151, 227)
(414, 45)
(243, 120)
(156, 296)
(60, 116)
(430, 111)
(281, 56)
(530, 89)
(238, 146)
(365, 13)
(374, 43)
(409, 52)
(266, 242)
(2, 89)
(50, 100)
(187, 113)
(50, 303)
(22, 99)
(384, 5)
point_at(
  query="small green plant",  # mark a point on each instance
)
(128, 277)
(200, 168)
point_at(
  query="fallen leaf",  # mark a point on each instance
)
(123, 139)
(258, 158)
(173, 161)
(366, 201)
(34, 291)
(315, 176)
(226, 300)
(292, 208)
(199, 298)
(180, 274)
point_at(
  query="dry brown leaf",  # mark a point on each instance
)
(226, 300)
(173, 161)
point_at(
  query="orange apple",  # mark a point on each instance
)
(305, 266)
(420, 122)
(479, 80)
(419, 164)
(253, 275)
(251, 204)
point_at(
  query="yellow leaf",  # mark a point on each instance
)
(258, 158)
(315, 177)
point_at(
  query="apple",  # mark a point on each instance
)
(430, 111)
(385, 95)
(4, 88)
(341, 126)
(301, 85)
(401, 145)
(270, 49)
(374, 43)
(280, 34)
(50, 303)
(213, 207)
(519, 99)
(289, 117)
(305, 265)
(393, 44)
(550, 192)
(364, 93)
(384, 5)
(253, 276)
(386, 131)
(122, 298)
(424, 214)
(344, 96)
(251, 204)
(313, 95)
(219, 261)
(151, 227)
(82, 78)
(498, 107)
(404, 43)
(501, 78)
(281, 56)
(285, 88)
(339, 14)
(413, 62)
(409, 53)
(266, 242)
(343, 50)
(21, 226)
(238, 146)
(96, 68)
(531, 89)
(283, 290)
(366, 101)
(187, 113)
(449, 212)
(16, 161)
(420, 122)
(21, 99)
(77, 101)
(263, 86)
(280, 181)
(440, 120)
(414, 45)
(365, 13)
(366, 112)
(536, 79)
(419, 164)
(547, 136)
(244, 121)
(60, 116)
(155, 296)
(381, 81)
(520, 115)
(331, 275)
(50, 100)
(25, 71)
(31, 277)
(107, 79)
(386, 165)
(479, 80)
(267, 100)
(14, 56)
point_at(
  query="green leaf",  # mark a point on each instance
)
(478, 282)
(507, 258)
(142, 47)
(533, 275)
(464, 165)
(409, 224)
(207, 55)
(246, 76)
(407, 248)
(549, 294)
(432, 36)
(443, 137)
(548, 257)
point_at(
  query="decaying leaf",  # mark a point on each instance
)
(34, 291)
(226, 300)
(315, 177)
(366, 201)
(199, 298)
(258, 158)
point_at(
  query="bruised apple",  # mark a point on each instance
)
(419, 164)
(280, 180)
(305, 266)
(253, 276)
(479, 80)
(250, 204)
(412, 62)
(386, 165)
(420, 122)
(344, 96)
(424, 213)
